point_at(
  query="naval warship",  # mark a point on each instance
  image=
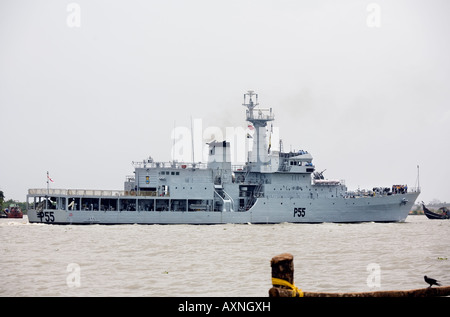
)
(271, 187)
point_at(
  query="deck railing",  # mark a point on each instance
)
(91, 192)
(75, 192)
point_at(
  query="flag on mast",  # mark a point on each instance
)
(49, 178)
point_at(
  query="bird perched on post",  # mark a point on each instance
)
(431, 281)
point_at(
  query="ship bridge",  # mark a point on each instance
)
(296, 162)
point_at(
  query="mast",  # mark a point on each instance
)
(259, 118)
(192, 144)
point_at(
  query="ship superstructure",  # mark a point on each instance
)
(271, 187)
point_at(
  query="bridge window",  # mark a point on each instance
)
(89, 203)
(127, 204)
(108, 204)
(74, 203)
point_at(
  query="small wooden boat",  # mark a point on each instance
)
(444, 213)
(14, 211)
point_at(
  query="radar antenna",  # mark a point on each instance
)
(250, 105)
(258, 117)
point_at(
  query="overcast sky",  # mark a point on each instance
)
(86, 87)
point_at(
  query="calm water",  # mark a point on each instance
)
(218, 260)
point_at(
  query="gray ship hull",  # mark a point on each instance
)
(272, 186)
(394, 208)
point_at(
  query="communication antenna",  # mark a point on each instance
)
(192, 140)
(250, 105)
(173, 143)
(418, 178)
